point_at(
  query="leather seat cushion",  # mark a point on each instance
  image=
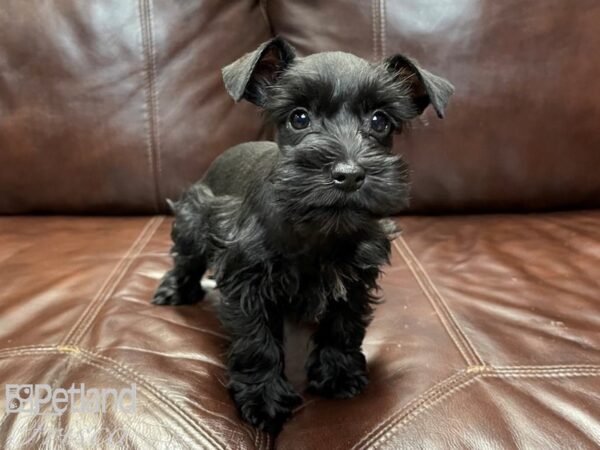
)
(487, 336)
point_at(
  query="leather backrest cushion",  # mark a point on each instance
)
(112, 106)
(522, 131)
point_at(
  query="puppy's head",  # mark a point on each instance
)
(336, 115)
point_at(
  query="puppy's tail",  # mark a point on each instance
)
(192, 219)
(205, 221)
(171, 204)
(197, 197)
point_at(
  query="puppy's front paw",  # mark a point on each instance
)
(267, 405)
(170, 292)
(333, 373)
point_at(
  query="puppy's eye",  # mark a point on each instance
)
(380, 123)
(299, 119)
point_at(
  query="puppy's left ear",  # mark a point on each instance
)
(248, 77)
(425, 87)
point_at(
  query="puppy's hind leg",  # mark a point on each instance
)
(181, 284)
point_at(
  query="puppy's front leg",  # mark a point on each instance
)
(257, 382)
(336, 366)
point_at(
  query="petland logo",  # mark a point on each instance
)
(31, 399)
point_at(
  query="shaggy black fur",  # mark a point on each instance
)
(287, 235)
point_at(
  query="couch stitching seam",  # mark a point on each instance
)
(478, 360)
(538, 369)
(444, 306)
(446, 321)
(392, 424)
(10, 351)
(462, 333)
(42, 350)
(382, 27)
(53, 382)
(374, 26)
(118, 367)
(549, 367)
(488, 373)
(87, 322)
(444, 384)
(264, 7)
(111, 282)
(3, 420)
(145, 11)
(549, 371)
(145, 103)
(258, 440)
(432, 401)
(155, 105)
(124, 373)
(566, 374)
(162, 400)
(455, 383)
(106, 282)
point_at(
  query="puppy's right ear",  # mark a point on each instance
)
(248, 77)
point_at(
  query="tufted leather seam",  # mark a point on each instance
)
(204, 433)
(566, 374)
(67, 367)
(52, 383)
(63, 371)
(89, 314)
(554, 368)
(415, 403)
(127, 374)
(155, 106)
(146, 13)
(107, 281)
(542, 371)
(468, 345)
(374, 26)
(145, 103)
(413, 414)
(119, 367)
(15, 351)
(263, 441)
(87, 322)
(487, 372)
(436, 307)
(460, 339)
(382, 16)
(548, 367)
(257, 440)
(264, 7)
(390, 425)
(3, 420)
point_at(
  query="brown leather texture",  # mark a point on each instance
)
(521, 131)
(487, 337)
(116, 107)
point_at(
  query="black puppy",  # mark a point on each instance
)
(295, 228)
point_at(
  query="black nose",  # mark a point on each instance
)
(348, 176)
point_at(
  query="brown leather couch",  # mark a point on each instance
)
(489, 335)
